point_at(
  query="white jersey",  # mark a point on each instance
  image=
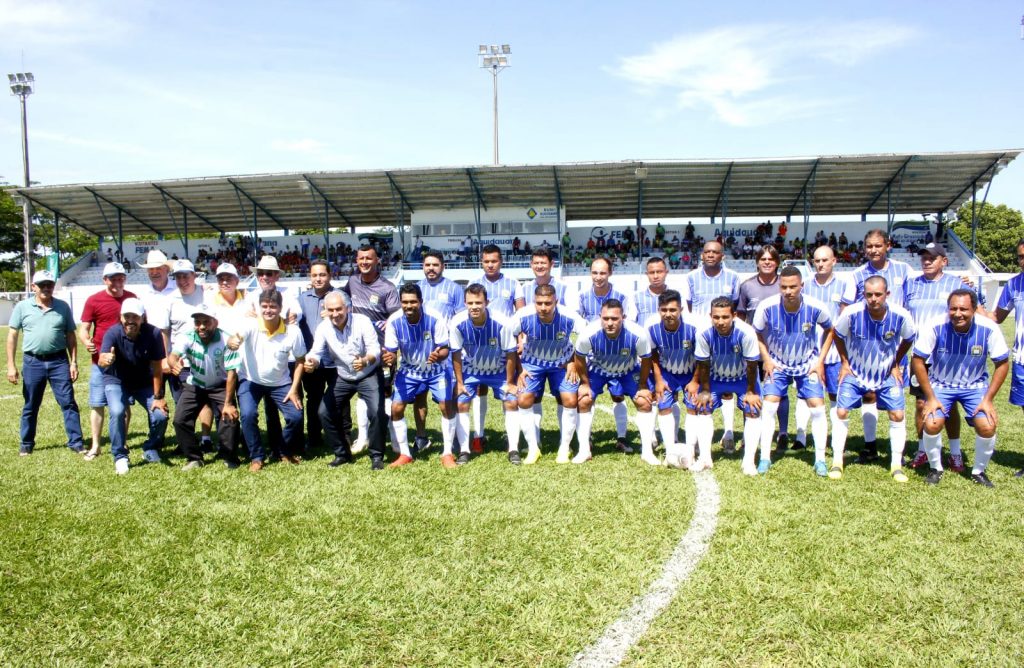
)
(703, 289)
(728, 355)
(871, 344)
(792, 338)
(960, 361)
(484, 348)
(836, 292)
(613, 358)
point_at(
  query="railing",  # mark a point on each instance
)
(967, 251)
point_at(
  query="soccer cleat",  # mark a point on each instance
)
(464, 458)
(359, 445)
(1019, 474)
(513, 458)
(401, 461)
(192, 465)
(622, 446)
(121, 466)
(531, 457)
(673, 462)
(782, 444)
(763, 466)
(956, 462)
(477, 445)
(919, 460)
(981, 479)
(421, 444)
(835, 473)
(867, 455)
(899, 476)
(581, 458)
(749, 469)
(151, 456)
(728, 446)
(650, 458)
(563, 457)
(448, 461)
(821, 469)
(934, 477)
(799, 443)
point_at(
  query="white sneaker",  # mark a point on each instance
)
(672, 461)
(121, 466)
(359, 446)
(581, 458)
(650, 458)
(563, 457)
(749, 469)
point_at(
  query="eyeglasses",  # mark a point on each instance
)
(266, 273)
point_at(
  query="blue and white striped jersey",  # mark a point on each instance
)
(728, 355)
(871, 344)
(591, 302)
(703, 289)
(960, 361)
(483, 348)
(676, 350)
(502, 294)
(833, 294)
(563, 295)
(926, 300)
(548, 345)
(446, 296)
(613, 358)
(1012, 299)
(414, 343)
(895, 273)
(792, 338)
(644, 304)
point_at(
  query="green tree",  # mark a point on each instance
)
(999, 228)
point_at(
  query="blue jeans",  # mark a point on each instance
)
(117, 402)
(35, 374)
(249, 396)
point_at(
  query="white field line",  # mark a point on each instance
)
(616, 641)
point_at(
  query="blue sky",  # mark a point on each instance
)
(147, 90)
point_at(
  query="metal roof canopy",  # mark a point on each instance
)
(844, 185)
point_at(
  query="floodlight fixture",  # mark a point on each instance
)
(495, 58)
(505, 48)
(483, 49)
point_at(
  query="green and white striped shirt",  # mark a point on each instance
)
(209, 363)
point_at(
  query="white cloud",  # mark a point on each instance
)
(739, 72)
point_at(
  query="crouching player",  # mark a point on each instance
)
(957, 349)
(787, 329)
(727, 355)
(483, 353)
(606, 356)
(673, 334)
(872, 337)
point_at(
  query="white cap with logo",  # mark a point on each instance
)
(113, 269)
(43, 276)
(133, 305)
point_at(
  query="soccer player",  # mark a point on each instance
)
(607, 354)
(872, 337)
(673, 334)
(727, 355)
(1012, 299)
(547, 357)
(591, 302)
(484, 352)
(541, 263)
(705, 284)
(422, 339)
(958, 348)
(787, 329)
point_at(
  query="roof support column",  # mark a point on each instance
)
(184, 224)
(120, 236)
(639, 218)
(56, 241)
(558, 216)
(723, 199)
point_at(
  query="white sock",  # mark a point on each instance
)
(691, 427)
(538, 413)
(645, 425)
(984, 448)
(751, 436)
(803, 415)
(676, 416)
(560, 412)
(933, 446)
(567, 423)
(897, 441)
(362, 419)
(769, 409)
(621, 418)
(447, 434)
(954, 446)
(869, 414)
(474, 408)
(819, 430)
(526, 418)
(401, 435)
(391, 427)
(840, 428)
(483, 416)
(667, 427)
(512, 427)
(704, 434)
(462, 431)
(728, 416)
(584, 422)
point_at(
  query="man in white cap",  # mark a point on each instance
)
(49, 342)
(267, 274)
(132, 357)
(102, 311)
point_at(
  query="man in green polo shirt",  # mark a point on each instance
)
(48, 345)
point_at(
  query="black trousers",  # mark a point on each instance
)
(190, 403)
(314, 385)
(337, 418)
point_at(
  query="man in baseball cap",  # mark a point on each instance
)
(158, 267)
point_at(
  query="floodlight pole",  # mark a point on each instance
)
(21, 86)
(495, 58)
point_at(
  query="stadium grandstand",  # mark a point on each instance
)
(628, 210)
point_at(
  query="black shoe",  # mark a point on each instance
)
(623, 447)
(868, 455)
(232, 464)
(513, 458)
(339, 461)
(933, 477)
(1019, 474)
(782, 445)
(797, 445)
(377, 464)
(981, 479)
(463, 458)
(207, 445)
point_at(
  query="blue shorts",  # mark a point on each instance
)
(97, 395)
(969, 399)
(807, 387)
(832, 378)
(620, 386)
(495, 381)
(718, 388)
(407, 389)
(1017, 385)
(553, 376)
(675, 384)
(889, 396)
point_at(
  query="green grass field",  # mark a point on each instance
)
(492, 564)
